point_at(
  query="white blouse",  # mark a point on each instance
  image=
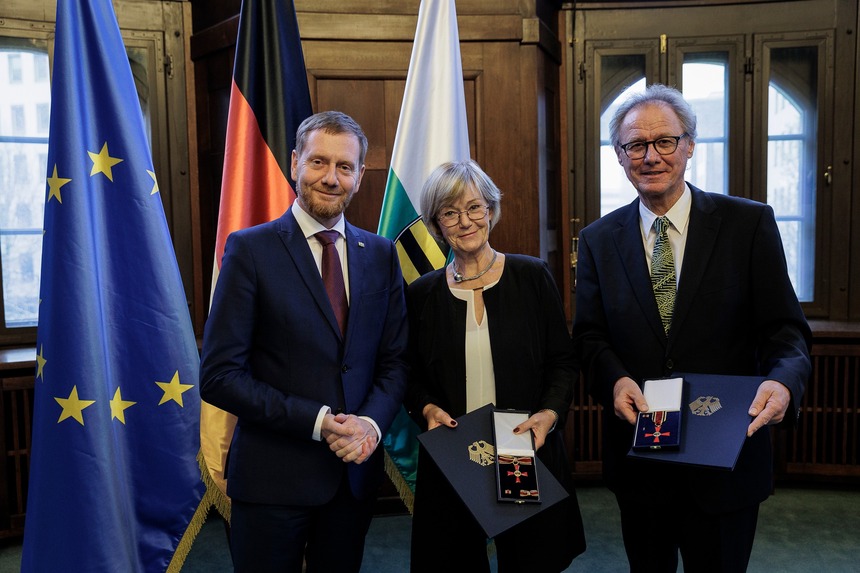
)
(480, 377)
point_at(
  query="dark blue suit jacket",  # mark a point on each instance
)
(735, 313)
(273, 355)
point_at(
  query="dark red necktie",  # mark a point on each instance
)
(332, 275)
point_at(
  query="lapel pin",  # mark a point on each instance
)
(361, 244)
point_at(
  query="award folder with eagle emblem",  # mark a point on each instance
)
(466, 455)
(714, 421)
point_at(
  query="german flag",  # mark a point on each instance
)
(268, 100)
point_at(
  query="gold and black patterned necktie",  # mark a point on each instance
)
(663, 272)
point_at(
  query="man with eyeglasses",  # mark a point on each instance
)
(681, 280)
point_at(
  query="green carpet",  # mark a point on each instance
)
(800, 530)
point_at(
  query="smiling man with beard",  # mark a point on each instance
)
(306, 349)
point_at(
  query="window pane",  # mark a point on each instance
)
(22, 262)
(792, 158)
(18, 120)
(43, 118)
(13, 64)
(705, 85)
(25, 98)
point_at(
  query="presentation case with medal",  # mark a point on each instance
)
(516, 471)
(660, 427)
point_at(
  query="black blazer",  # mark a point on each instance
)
(534, 368)
(736, 312)
(532, 353)
(273, 354)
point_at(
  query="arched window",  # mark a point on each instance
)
(791, 146)
(792, 133)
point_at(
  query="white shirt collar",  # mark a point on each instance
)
(678, 215)
(311, 226)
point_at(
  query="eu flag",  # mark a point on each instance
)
(114, 481)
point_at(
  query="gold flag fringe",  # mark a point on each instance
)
(403, 490)
(213, 497)
(216, 497)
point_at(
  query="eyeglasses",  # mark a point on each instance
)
(451, 217)
(664, 146)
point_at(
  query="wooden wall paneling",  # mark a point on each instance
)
(211, 13)
(852, 160)
(198, 312)
(16, 402)
(17, 369)
(357, 57)
(556, 204)
(7, 491)
(367, 80)
(411, 6)
(364, 80)
(511, 145)
(364, 100)
(545, 35)
(396, 27)
(175, 177)
(212, 53)
(566, 229)
(472, 57)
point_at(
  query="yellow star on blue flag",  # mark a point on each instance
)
(73, 407)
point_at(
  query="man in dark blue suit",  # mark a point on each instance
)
(312, 396)
(732, 310)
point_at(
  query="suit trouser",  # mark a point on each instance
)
(708, 542)
(280, 538)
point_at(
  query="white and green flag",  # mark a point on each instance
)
(432, 130)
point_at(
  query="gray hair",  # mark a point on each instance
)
(331, 122)
(655, 93)
(448, 182)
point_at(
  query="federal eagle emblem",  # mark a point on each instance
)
(705, 405)
(482, 452)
